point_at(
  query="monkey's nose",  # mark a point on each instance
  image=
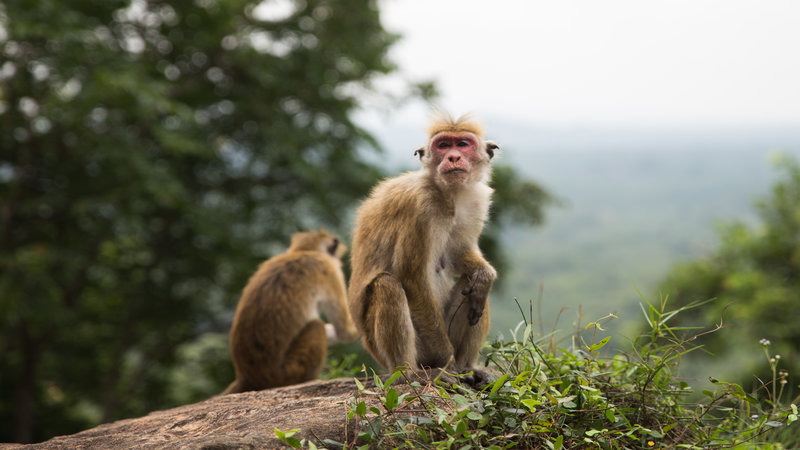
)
(453, 157)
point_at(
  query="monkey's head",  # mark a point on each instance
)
(456, 152)
(321, 241)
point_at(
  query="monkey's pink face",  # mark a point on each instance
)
(454, 154)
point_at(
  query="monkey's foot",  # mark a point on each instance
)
(477, 378)
(430, 376)
(473, 377)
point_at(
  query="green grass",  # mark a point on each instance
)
(576, 393)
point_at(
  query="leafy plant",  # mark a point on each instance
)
(577, 396)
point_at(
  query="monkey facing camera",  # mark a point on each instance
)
(419, 287)
(277, 337)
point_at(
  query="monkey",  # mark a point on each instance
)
(419, 284)
(277, 337)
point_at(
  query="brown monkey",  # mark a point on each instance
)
(419, 286)
(277, 337)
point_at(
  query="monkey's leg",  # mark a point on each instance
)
(389, 333)
(467, 339)
(305, 356)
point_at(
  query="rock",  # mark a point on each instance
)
(246, 420)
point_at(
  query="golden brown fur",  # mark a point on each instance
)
(443, 122)
(419, 286)
(277, 337)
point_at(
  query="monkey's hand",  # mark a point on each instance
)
(344, 333)
(330, 332)
(477, 293)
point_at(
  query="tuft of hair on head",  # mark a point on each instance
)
(443, 122)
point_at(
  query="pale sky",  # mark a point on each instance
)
(590, 62)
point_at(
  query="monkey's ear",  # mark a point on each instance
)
(420, 151)
(491, 146)
(334, 245)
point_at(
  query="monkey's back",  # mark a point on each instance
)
(278, 300)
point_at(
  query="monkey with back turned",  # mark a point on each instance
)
(277, 337)
(419, 287)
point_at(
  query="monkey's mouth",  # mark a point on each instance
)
(456, 170)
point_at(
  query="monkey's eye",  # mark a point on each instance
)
(463, 143)
(443, 144)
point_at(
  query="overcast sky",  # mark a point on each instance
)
(605, 62)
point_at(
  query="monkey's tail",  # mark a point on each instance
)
(233, 388)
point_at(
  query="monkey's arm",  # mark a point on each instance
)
(341, 327)
(477, 277)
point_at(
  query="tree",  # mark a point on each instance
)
(151, 154)
(754, 277)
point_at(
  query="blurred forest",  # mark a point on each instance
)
(754, 279)
(151, 155)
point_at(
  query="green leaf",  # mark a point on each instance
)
(498, 384)
(461, 428)
(287, 437)
(395, 375)
(403, 397)
(558, 444)
(600, 344)
(531, 403)
(391, 399)
(460, 399)
(527, 333)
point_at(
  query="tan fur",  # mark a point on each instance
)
(277, 337)
(415, 253)
(443, 122)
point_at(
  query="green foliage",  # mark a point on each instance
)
(754, 276)
(575, 397)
